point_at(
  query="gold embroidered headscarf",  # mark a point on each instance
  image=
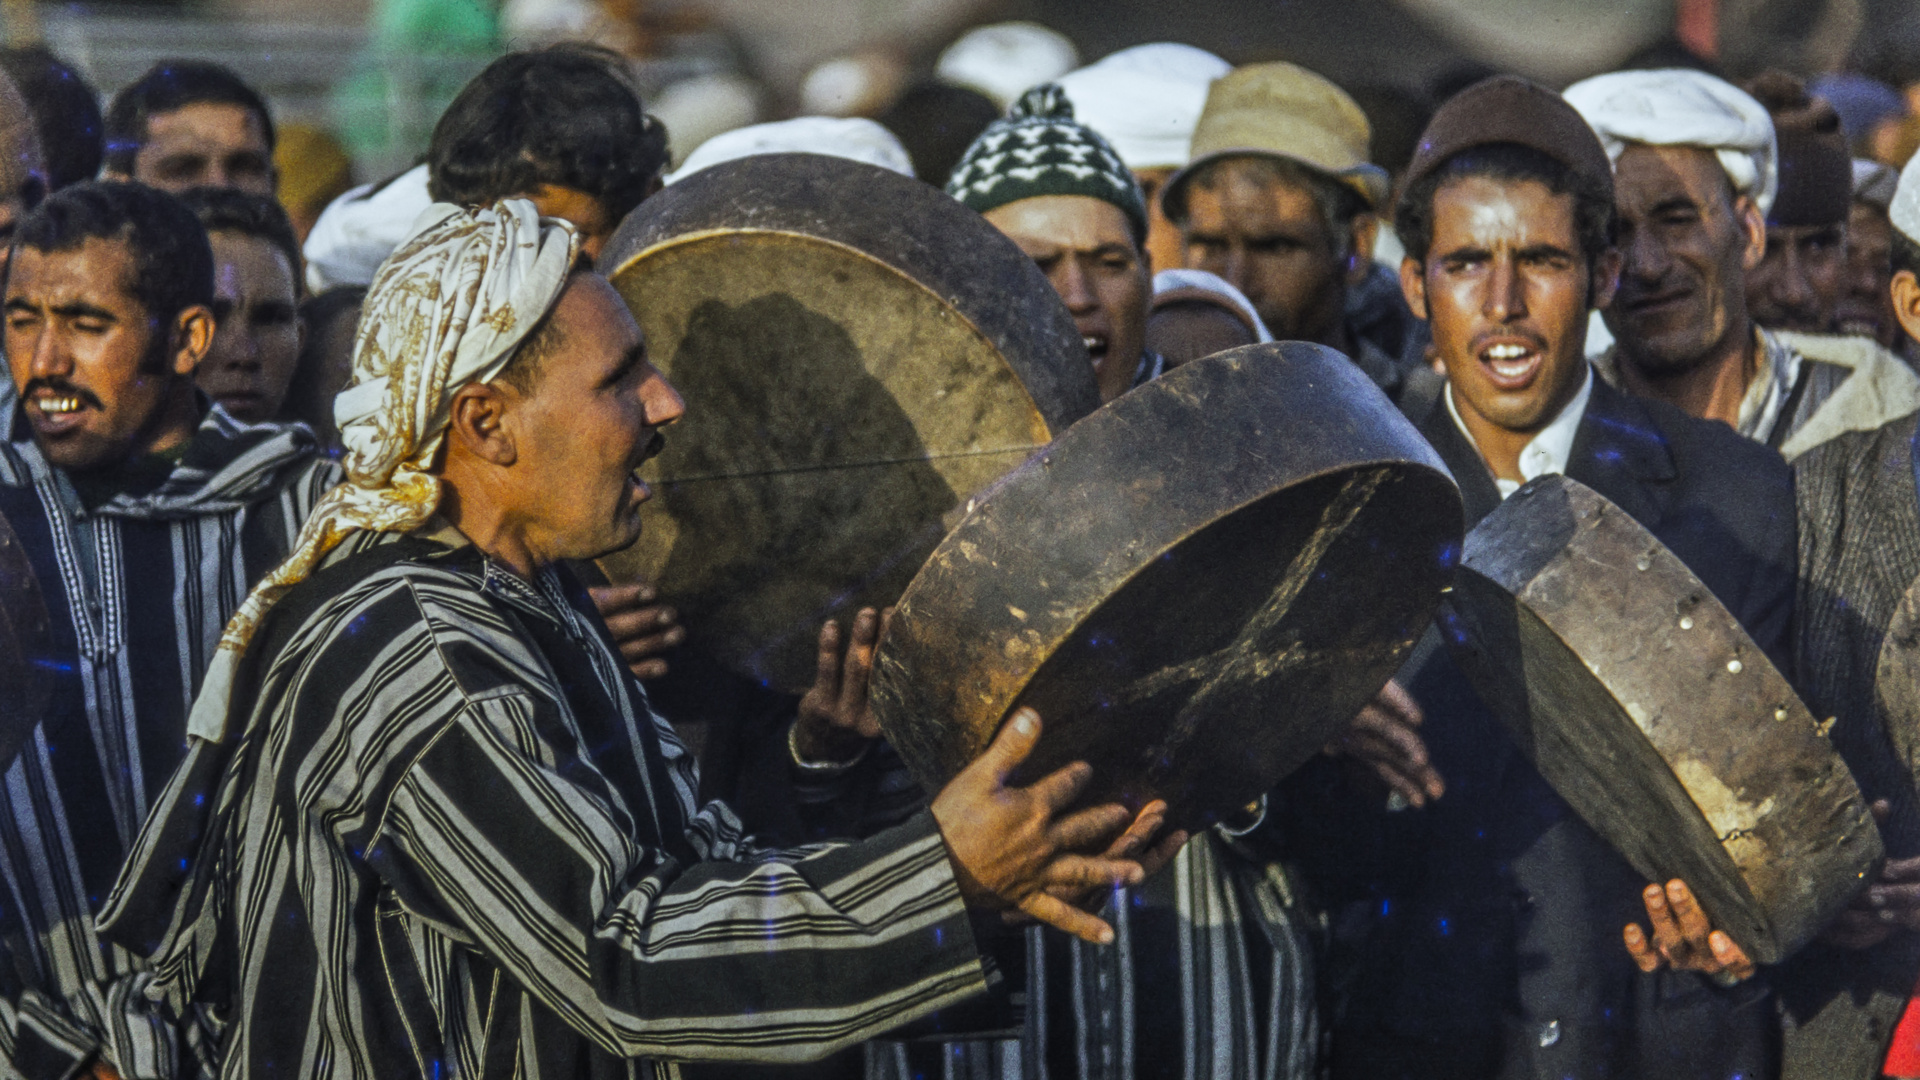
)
(447, 308)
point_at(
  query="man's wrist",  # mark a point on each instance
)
(820, 759)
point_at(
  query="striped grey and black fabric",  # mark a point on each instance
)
(138, 588)
(1210, 977)
(451, 839)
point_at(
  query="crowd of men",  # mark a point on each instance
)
(342, 771)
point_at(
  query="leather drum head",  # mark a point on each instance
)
(859, 353)
(1648, 708)
(1196, 586)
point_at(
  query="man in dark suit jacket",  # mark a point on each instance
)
(1488, 940)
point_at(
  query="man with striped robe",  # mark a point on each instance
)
(428, 824)
(145, 514)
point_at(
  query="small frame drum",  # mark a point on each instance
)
(1648, 708)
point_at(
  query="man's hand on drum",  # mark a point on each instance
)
(1683, 939)
(836, 722)
(642, 628)
(1385, 740)
(1020, 849)
(1889, 904)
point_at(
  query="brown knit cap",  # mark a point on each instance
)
(1506, 109)
(1816, 171)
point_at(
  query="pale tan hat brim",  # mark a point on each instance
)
(1369, 180)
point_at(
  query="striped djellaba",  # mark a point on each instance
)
(447, 837)
(138, 588)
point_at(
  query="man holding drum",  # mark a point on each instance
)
(1490, 939)
(429, 825)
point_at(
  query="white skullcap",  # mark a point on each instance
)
(358, 230)
(1905, 210)
(1006, 60)
(1146, 100)
(852, 85)
(1874, 183)
(450, 306)
(1682, 107)
(1191, 281)
(851, 137)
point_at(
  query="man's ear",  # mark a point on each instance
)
(1906, 302)
(1606, 278)
(477, 422)
(192, 338)
(1413, 285)
(1366, 229)
(1747, 215)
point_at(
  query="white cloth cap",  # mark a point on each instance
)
(461, 292)
(695, 110)
(853, 138)
(358, 230)
(1905, 210)
(1006, 60)
(1167, 281)
(1682, 107)
(1145, 100)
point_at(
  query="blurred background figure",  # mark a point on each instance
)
(847, 137)
(1146, 101)
(187, 124)
(1866, 305)
(23, 180)
(1005, 60)
(860, 85)
(1798, 283)
(314, 170)
(66, 113)
(326, 361)
(936, 123)
(256, 303)
(1195, 314)
(358, 230)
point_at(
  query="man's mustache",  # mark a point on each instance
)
(61, 388)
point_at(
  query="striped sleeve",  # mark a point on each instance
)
(650, 958)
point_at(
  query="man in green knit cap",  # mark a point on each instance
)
(1057, 189)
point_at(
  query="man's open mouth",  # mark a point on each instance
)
(1511, 365)
(1096, 344)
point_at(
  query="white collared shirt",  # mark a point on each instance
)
(1548, 451)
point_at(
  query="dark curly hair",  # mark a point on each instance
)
(168, 86)
(172, 261)
(567, 115)
(227, 210)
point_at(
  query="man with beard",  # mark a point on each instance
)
(1487, 939)
(145, 515)
(1798, 283)
(1859, 554)
(1695, 176)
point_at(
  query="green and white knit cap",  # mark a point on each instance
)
(1039, 149)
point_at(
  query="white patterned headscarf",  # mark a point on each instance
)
(447, 308)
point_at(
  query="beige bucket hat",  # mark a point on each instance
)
(1282, 110)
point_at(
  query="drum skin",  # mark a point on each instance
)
(1196, 587)
(859, 353)
(1644, 703)
(26, 640)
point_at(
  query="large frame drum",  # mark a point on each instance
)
(859, 353)
(1196, 587)
(1648, 708)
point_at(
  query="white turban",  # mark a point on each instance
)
(1905, 210)
(852, 138)
(1168, 282)
(1006, 60)
(1681, 107)
(448, 308)
(358, 230)
(1146, 100)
